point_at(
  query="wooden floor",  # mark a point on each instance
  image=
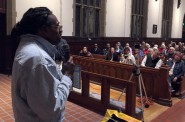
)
(149, 113)
(155, 112)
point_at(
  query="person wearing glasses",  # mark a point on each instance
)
(39, 88)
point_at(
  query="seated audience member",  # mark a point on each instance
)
(155, 45)
(152, 60)
(96, 49)
(147, 47)
(177, 48)
(180, 46)
(173, 44)
(143, 45)
(176, 72)
(119, 45)
(138, 55)
(118, 49)
(85, 52)
(112, 55)
(170, 56)
(138, 48)
(163, 50)
(127, 45)
(183, 57)
(150, 50)
(106, 49)
(183, 49)
(127, 57)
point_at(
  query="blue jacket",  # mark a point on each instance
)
(39, 89)
(178, 69)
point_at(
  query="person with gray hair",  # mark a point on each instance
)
(152, 60)
(39, 88)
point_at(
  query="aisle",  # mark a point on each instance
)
(176, 113)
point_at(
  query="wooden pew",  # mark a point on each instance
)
(98, 56)
(155, 80)
(101, 105)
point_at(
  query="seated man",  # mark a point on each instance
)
(106, 49)
(96, 49)
(118, 49)
(152, 60)
(170, 56)
(84, 52)
(176, 72)
(112, 55)
(119, 45)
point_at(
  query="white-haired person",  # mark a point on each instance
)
(152, 60)
(170, 56)
(163, 49)
(147, 47)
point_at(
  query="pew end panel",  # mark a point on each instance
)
(162, 84)
(182, 87)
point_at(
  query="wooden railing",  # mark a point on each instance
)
(155, 80)
(106, 82)
(98, 56)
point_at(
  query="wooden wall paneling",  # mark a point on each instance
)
(2, 6)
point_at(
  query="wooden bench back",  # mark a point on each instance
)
(155, 80)
(106, 82)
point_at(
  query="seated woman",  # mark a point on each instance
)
(127, 57)
(84, 52)
(176, 72)
(152, 60)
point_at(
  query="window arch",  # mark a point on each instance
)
(89, 15)
(139, 18)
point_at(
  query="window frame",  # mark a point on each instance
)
(139, 13)
(101, 19)
(167, 19)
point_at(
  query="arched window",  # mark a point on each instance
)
(167, 18)
(88, 18)
(139, 18)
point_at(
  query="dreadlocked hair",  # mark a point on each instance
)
(31, 22)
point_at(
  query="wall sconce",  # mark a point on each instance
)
(155, 0)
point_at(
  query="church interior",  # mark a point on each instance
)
(126, 50)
